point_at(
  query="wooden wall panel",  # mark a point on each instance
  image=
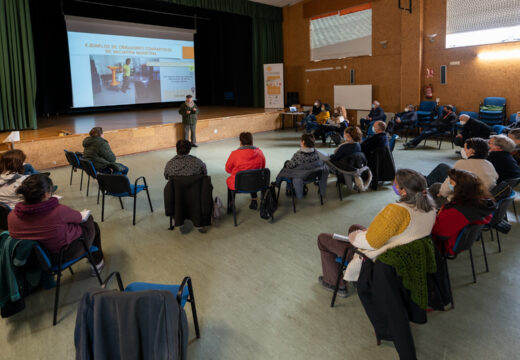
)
(48, 152)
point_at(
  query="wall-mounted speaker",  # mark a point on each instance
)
(444, 75)
(352, 76)
(293, 98)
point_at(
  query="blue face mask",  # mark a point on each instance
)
(396, 190)
(452, 187)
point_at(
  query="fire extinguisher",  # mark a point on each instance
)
(428, 91)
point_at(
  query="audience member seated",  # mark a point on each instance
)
(246, 157)
(474, 155)
(411, 218)
(40, 217)
(404, 120)
(471, 128)
(97, 150)
(443, 123)
(184, 164)
(334, 127)
(320, 119)
(377, 113)
(347, 155)
(500, 148)
(471, 203)
(316, 109)
(12, 174)
(302, 164)
(515, 136)
(380, 139)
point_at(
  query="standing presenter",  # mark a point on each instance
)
(189, 112)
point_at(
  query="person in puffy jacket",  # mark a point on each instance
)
(246, 157)
(97, 150)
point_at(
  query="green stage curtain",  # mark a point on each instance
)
(267, 34)
(17, 67)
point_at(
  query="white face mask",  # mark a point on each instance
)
(462, 123)
(406, 109)
(463, 153)
(373, 106)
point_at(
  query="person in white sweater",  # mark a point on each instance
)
(11, 176)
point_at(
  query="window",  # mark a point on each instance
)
(341, 34)
(477, 22)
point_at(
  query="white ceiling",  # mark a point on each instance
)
(279, 3)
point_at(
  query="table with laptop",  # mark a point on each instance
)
(293, 114)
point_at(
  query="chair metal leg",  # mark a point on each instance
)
(484, 252)
(193, 309)
(321, 197)
(103, 207)
(172, 227)
(498, 241)
(338, 185)
(81, 180)
(56, 298)
(278, 194)
(135, 203)
(338, 279)
(149, 201)
(121, 202)
(71, 172)
(71, 272)
(514, 208)
(233, 194)
(472, 266)
(98, 190)
(91, 260)
(88, 184)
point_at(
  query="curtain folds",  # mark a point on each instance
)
(17, 67)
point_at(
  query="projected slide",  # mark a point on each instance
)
(119, 70)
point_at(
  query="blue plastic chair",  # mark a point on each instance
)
(471, 114)
(498, 215)
(75, 164)
(44, 259)
(426, 113)
(493, 117)
(513, 118)
(183, 293)
(312, 178)
(119, 186)
(498, 129)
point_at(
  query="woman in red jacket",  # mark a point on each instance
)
(246, 157)
(40, 217)
(471, 204)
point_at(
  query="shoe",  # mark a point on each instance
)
(194, 145)
(342, 292)
(253, 205)
(202, 230)
(185, 229)
(99, 267)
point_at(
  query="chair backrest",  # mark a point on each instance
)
(498, 101)
(114, 184)
(513, 182)
(253, 180)
(471, 114)
(502, 206)
(72, 158)
(512, 118)
(88, 167)
(440, 109)
(467, 237)
(314, 176)
(427, 105)
(4, 212)
(498, 129)
(43, 257)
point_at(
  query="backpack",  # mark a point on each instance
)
(268, 204)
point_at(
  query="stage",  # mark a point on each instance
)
(131, 132)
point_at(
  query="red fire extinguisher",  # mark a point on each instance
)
(428, 91)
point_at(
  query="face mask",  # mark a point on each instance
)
(406, 110)
(462, 123)
(373, 106)
(463, 153)
(452, 187)
(396, 190)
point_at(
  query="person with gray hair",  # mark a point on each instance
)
(377, 113)
(514, 135)
(406, 119)
(380, 139)
(471, 128)
(500, 148)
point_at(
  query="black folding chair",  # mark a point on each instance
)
(89, 168)
(499, 215)
(120, 187)
(44, 258)
(513, 183)
(465, 240)
(314, 177)
(75, 164)
(248, 182)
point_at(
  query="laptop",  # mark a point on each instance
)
(293, 109)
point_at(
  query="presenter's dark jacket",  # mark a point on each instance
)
(475, 128)
(191, 118)
(97, 150)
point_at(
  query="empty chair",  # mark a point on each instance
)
(426, 113)
(513, 183)
(513, 118)
(492, 110)
(499, 216)
(119, 186)
(75, 164)
(88, 167)
(55, 268)
(248, 182)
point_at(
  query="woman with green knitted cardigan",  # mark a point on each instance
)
(410, 218)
